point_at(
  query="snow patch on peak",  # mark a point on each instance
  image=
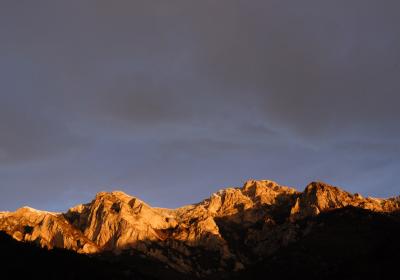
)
(30, 209)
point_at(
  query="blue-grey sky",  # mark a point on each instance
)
(172, 100)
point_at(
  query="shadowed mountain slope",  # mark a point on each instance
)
(347, 243)
(24, 260)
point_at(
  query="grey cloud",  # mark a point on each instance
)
(32, 137)
(314, 68)
(30, 126)
(151, 96)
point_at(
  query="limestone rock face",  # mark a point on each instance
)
(227, 231)
(117, 221)
(319, 197)
(46, 229)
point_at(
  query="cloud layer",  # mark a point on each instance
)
(172, 101)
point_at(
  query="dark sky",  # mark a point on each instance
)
(172, 100)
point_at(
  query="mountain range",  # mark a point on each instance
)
(261, 228)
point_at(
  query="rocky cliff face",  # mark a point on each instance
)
(46, 229)
(228, 231)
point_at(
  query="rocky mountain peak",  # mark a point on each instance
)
(114, 195)
(115, 220)
(319, 196)
(226, 231)
(267, 192)
(251, 184)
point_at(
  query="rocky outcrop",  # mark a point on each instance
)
(117, 221)
(46, 229)
(319, 197)
(227, 231)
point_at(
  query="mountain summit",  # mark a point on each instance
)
(229, 231)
